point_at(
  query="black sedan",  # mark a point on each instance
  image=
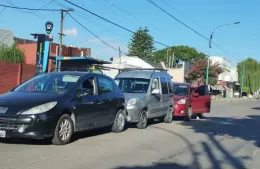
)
(55, 105)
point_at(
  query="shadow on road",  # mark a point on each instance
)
(158, 166)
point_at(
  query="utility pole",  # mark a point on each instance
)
(173, 59)
(61, 27)
(119, 54)
(242, 80)
(168, 59)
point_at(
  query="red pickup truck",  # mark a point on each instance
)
(190, 100)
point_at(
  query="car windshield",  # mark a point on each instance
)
(133, 85)
(181, 90)
(59, 83)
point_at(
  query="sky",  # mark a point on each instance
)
(238, 41)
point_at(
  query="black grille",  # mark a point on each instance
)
(7, 123)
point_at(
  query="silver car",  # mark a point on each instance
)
(148, 94)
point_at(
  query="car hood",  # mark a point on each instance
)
(177, 98)
(129, 96)
(27, 99)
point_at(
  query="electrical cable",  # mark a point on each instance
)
(109, 21)
(95, 34)
(204, 37)
(29, 9)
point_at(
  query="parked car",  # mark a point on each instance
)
(148, 95)
(56, 105)
(191, 101)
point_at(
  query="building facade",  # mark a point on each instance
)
(229, 77)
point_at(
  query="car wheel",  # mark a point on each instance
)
(142, 124)
(63, 131)
(169, 116)
(119, 123)
(188, 114)
(200, 116)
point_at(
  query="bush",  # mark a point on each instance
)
(11, 54)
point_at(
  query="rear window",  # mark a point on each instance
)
(181, 90)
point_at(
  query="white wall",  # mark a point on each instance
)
(230, 73)
(132, 60)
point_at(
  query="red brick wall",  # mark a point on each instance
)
(12, 74)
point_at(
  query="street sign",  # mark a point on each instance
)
(48, 27)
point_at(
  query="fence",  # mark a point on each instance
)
(13, 74)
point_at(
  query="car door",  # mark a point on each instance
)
(87, 108)
(155, 105)
(202, 102)
(165, 95)
(109, 100)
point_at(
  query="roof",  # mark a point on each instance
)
(6, 37)
(145, 74)
(87, 60)
(155, 65)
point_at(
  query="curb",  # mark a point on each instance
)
(221, 101)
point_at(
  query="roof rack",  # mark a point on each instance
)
(152, 69)
(89, 70)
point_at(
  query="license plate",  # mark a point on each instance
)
(2, 134)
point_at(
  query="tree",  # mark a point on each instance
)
(251, 75)
(184, 53)
(11, 54)
(141, 44)
(197, 72)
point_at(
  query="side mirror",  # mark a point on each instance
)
(195, 94)
(156, 91)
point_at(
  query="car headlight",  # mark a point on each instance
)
(131, 103)
(40, 109)
(182, 101)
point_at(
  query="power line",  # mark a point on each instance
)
(109, 21)
(29, 9)
(94, 34)
(129, 14)
(25, 11)
(154, 4)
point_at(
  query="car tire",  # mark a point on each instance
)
(189, 114)
(66, 126)
(119, 122)
(169, 116)
(143, 121)
(200, 116)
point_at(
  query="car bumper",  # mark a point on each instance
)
(133, 115)
(180, 110)
(32, 126)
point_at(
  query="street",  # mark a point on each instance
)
(228, 138)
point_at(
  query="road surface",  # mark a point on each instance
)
(227, 139)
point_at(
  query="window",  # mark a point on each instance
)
(133, 85)
(169, 81)
(164, 85)
(202, 90)
(105, 85)
(155, 84)
(89, 85)
(181, 90)
(59, 83)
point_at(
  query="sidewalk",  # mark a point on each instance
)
(230, 99)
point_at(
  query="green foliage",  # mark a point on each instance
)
(198, 69)
(141, 44)
(184, 53)
(245, 89)
(11, 54)
(251, 74)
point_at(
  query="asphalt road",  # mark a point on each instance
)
(229, 138)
